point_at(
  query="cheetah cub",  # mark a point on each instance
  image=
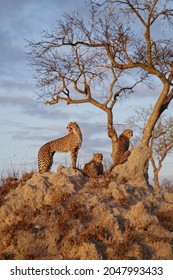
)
(69, 143)
(94, 168)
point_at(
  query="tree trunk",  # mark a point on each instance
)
(156, 181)
(156, 171)
(155, 116)
(112, 133)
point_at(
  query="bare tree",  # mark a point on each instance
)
(99, 58)
(161, 142)
(148, 51)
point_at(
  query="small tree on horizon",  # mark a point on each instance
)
(161, 145)
(98, 58)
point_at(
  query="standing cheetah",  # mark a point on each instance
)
(122, 148)
(69, 143)
(94, 168)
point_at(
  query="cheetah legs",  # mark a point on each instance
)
(74, 154)
(121, 158)
(124, 157)
(45, 162)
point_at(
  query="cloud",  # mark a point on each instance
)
(60, 112)
(39, 134)
(10, 123)
(22, 20)
(15, 100)
(31, 108)
(10, 84)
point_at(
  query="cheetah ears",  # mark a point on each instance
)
(75, 123)
(70, 124)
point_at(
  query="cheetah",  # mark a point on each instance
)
(94, 168)
(122, 148)
(69, 143)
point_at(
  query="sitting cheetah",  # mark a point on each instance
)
(122, 149)
(69, 143)
(94, 168)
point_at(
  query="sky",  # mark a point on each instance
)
(27, 124)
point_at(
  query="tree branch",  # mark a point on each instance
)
(136, 13)
(166, 101)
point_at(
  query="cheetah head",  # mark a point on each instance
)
(98, 157)
(128, 133)
(72, 126)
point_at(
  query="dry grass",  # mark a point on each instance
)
(167, 185)
(25, 177)
(9, 184)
